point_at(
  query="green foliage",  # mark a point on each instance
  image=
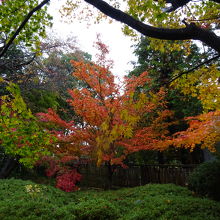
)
(20, 133)
(96, 208)
(12, 14)
(151, 12)
(162, 202)
(47, 80)
(40, 100)
(183, 105)
(205, 180)
(202, 84)
(163, 66)
(12, 64)
(27, 200)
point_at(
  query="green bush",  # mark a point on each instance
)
(95, 209)
(205, 179)
(25, 200)
(31, 210)
(165, 202)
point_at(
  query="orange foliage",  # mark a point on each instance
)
(112, 118)
(203, 129)
(118, 120)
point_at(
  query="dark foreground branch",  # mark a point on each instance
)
(191, 31)
(175, 4)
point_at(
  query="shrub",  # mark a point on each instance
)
(25, 200)
(205, 179)
(31, 210)
(61, 168)
(165, 201)
(67, 181)
(95, 209)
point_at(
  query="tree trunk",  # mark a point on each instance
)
(110, 174)
(160, 157)
(7, 166)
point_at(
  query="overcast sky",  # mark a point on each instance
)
(111, 35)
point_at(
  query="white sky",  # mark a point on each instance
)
(111, 34)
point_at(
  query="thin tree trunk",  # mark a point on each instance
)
(110, 174)
(7, 166)
(160, 157)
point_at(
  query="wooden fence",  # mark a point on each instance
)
(134, 175)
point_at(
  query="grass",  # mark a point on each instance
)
(24, 200)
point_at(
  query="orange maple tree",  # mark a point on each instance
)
(120, 119)
(112, 115)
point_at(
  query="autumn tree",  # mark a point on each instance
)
(150, 18)
(112, 115)
(22, 139)
(161, 67)
(176, 23)
(184, 20)
(203, 130)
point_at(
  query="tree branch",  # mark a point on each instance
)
(194, 68)
(179, 3)
(5, 48)
(27, 62)
(191, 31)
